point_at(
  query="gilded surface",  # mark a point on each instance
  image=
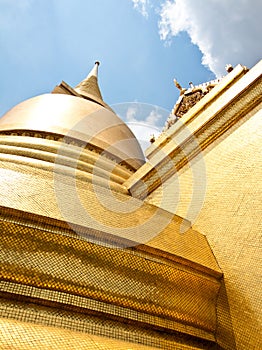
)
(184, 141)
(156, 288)
(227, 81)
(65, 272)
(90, 162)
(90, 84)
(85, 265)
(77, 118)
(26, 336)
(231, 220)
(32, 190)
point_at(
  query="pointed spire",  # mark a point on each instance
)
(89, 86)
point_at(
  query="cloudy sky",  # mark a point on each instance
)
(142, 46)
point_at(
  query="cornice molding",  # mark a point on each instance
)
(47, 267)
(199, 129)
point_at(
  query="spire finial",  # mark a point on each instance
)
(89, 86)
(94, 71)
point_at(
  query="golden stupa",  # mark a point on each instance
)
(96, 250)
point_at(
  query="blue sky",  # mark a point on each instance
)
(142, 46)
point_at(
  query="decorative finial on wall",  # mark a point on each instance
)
(182, 90)
(152, 139)
(229, 68)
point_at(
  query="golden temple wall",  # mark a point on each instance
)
(71, 262)
(55, 285)
(79, 254)
(231, 218)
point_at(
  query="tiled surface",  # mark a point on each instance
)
(164, 292)
(231, 220)
(15, 335)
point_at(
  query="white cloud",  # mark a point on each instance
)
(143, 119)
(147, 127)
(131, 114)
(153, 118)
(141, 6)
(142, 113)
(226, 31)
(143, 132)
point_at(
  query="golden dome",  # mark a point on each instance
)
(76, 118)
